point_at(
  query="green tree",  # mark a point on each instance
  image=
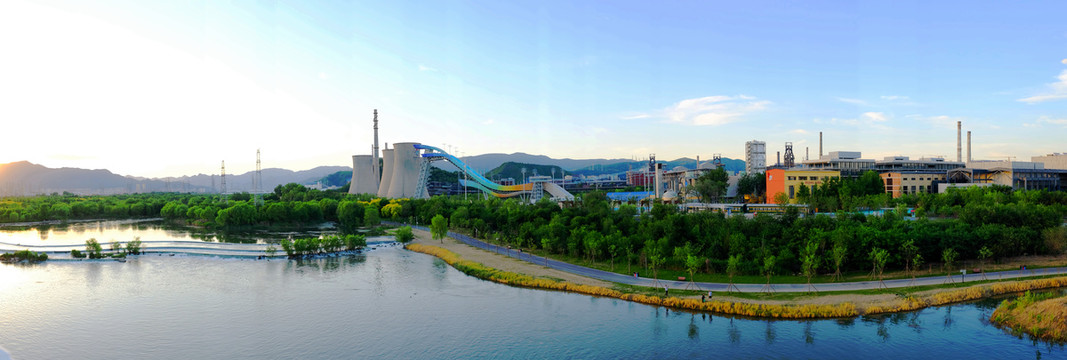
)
(93, 248)
(878, 260)
(371, 217)
(984, 254)
(840, 252)
(439, 227)
(949, 256)
(769, 263)
(712, 185)
(810, 260)
(134, 247)
(404, 234)
(350, 215)
(731, 269)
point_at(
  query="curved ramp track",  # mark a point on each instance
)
(480, 182)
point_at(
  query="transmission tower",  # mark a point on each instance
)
(258, 183)
(223, 192)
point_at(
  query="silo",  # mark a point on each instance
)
(405, 171)
(362, 176)
(387, 172)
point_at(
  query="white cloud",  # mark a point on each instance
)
(714, 110)
(1048, 120)
(798, 131)
(894, 97)
(635, 117)
(874, 116)
(852, 101)
(426, 68)
(943, 121)
(1064, 61)
(489, 122)
(1057, 91)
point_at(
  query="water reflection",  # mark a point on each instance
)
(809, 334)
(694, 330)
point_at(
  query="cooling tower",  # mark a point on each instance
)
(387, 172)
(405, 171)
(363, 175)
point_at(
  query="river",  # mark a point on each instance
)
(392, 303)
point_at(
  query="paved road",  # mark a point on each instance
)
(842, 286)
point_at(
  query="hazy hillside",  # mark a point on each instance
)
(485, 162)
(513, 170)
(731, 165)
(271, 177)
(25, 178)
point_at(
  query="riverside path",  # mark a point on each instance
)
(706, 286)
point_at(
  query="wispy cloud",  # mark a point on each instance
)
(1048, 120)
(1064, 61)
(894, 97)
(874, 116)
(426, 68)
(635, 117)
(489, 122)
(943, 121)
(852, 101)
(798, 131)
(1056, 91)
(714, 110)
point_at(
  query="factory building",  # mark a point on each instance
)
(788, 181)
(848, 163)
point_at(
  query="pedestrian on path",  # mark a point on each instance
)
(664, 291)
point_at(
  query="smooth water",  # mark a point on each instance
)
(392, 303)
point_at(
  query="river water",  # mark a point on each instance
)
(392, 303)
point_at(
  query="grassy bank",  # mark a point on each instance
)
(1035, 314)
(904, 302)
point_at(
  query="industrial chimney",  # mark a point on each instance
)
(959, 141)
(968, 146)
(821, 144)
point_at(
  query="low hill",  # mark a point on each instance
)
(731, 165)
(513, 170)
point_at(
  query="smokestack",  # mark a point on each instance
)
(959, 141)
(820, 144)
(374, 153)
(968, 146)
(779, 162)
(807, 153)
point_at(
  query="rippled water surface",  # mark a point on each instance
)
(391, 303)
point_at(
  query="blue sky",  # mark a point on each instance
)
(161, 88)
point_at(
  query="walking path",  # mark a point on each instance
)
(751, 288)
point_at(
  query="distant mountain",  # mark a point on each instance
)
(730, 165)
(25, 178)
(485, 162)
(513, 170)
(271, 178)
(337, 179)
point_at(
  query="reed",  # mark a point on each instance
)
(1034, 314)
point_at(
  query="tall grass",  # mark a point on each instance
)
(1034, 314)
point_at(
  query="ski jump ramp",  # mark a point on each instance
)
(555, 191)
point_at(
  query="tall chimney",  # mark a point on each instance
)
(779, 162)
(968, 146)
(375, 169)
(959, 141)
(821, 144)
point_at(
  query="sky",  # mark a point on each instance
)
(171, 88)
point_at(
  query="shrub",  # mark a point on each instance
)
(93, 248)
(24, 255)
(77, 254)
(404, 234)
(355, 241)
(134, 247)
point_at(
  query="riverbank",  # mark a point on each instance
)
(1034, 314)
(496, 267)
